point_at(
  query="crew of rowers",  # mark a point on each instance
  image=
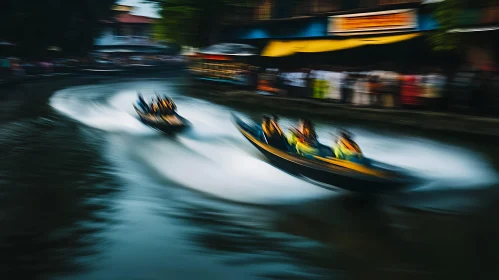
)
(304, 141)
(160, 106)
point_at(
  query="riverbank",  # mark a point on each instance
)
(410, 119)
(425, 120)
(89, 71)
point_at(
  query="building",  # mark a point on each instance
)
(127, 33)
(360, 31)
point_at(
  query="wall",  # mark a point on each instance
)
(303, 28)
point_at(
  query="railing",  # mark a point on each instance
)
(108, 40)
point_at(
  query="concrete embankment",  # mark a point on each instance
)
(436, 121)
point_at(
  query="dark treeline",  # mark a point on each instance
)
(36, 25)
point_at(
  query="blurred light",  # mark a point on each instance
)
(461, 30)
(432, 1)
(54, 48)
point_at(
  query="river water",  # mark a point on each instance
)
(89, 192)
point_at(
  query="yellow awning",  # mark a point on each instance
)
(284, 48)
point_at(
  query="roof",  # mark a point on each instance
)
(128, 18)
(229, 49)
(122, 8)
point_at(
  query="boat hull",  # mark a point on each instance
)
(162, 125)
(332, 172)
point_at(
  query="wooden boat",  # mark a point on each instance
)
(374, 177)
(166, 123)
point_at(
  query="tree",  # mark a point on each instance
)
(193, 22)
(448, 14)
(35, 25)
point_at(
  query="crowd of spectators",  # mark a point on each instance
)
(467, 90)
(14, 68)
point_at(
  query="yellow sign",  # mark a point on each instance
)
(373, 22)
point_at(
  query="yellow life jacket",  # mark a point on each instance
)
(347, 148)
(304, 149)
(267, 129)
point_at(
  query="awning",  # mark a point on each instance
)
(285, 48)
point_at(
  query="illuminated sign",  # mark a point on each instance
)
(376, 22)
(216, 57)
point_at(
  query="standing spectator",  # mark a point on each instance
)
(346, 88)
(375, 90)
(389, 82)
(361, 91)
(309, 83)
(433, 88)
(335, 82)
(462, 86)
(410, 91)
(5, 69)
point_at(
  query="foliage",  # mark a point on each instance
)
(193, 22)
(35, 25)
(448, 14)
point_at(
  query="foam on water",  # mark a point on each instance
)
(214, 158)
(82, 104)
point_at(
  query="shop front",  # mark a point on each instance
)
(225, 63)
(342, 64)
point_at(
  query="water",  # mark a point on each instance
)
(89, 192)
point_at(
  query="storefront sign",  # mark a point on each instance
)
(395, 20)
(216, 57)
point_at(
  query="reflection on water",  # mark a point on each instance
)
(49, 198)
(347, 236)
(89, 192)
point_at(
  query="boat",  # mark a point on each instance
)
(328, 171)
(166, 123)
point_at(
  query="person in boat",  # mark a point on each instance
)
(273, 133)
(309, 133)
(347, 149)
(267, 128)
(143, 104)
(296, 133)
(275, 123)
(165, 108)
(154, 107)
(162, 105)
(172, 103)
(307, 143)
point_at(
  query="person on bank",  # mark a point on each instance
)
(347, 149)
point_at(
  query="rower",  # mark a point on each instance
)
(307, 144)
(347, 149)
(309, 132)
(172, 103)
(267, 128)
(143, 104)
(155, 108)
(275, 123)
(165, 106)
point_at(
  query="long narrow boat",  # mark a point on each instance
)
(375, 177)
(166, 123)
